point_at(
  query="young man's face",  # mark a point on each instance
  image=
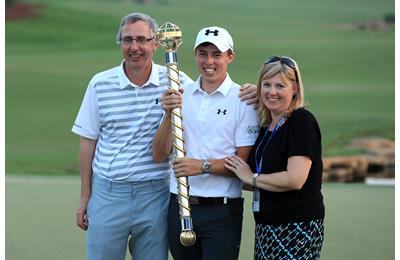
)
(212, 63)
(137, 51)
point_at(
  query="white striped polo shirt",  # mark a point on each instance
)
(124, 118)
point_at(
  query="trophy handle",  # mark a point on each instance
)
(169, 36)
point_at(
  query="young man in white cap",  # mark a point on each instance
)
(216, 125)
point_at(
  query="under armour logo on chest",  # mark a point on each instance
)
(214, 32)
(219, 111)
(157, 101)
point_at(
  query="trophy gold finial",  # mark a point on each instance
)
(169, 36)
(187, 238)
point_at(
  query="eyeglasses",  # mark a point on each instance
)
(141, 40)
(283, 60)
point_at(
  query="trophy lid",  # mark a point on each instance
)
(169, 36)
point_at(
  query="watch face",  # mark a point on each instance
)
(207, 167)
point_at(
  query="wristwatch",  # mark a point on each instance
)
(206, 167)
(255, 175)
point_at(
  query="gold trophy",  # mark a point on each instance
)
(169, 36)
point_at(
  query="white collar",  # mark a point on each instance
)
(124, 81)
(223, 88)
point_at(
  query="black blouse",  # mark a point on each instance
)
(299, 135)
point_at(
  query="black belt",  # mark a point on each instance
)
(194, 200)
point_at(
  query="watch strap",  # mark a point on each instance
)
(255, 175)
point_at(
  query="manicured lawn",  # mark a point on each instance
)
(40, 220)
(348, 73)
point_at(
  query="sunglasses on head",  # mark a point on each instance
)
(283, 60)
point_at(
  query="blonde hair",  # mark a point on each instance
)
(269, 70)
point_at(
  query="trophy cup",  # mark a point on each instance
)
(169, 36)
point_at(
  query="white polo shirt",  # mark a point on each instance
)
(124, 118)
(214, 126)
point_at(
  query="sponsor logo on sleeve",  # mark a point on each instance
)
(253, 129)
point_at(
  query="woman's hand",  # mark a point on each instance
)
(240, 168)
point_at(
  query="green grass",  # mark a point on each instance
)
(40, 220)
(348, 74)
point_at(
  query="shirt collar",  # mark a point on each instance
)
(124, 81)
(223, 88)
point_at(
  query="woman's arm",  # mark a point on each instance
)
(292, 179)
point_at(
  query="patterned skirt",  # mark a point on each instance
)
(301, 240)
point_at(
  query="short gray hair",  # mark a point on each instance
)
(134, 17)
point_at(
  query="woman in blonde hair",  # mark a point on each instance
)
(284, 168)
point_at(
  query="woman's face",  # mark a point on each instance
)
(277, 94)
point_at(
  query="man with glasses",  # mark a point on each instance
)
(124, 193)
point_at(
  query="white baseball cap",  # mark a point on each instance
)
(217, 36)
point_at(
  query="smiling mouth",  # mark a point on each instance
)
(209, 71)
(135, 56)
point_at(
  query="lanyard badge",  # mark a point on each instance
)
(256, 200)
(256, 192)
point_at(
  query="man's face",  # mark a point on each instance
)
(138, 54)
(212, 63)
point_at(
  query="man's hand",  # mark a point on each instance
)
(248, 93)
(187, 167)
(171, 99)
(81, 215)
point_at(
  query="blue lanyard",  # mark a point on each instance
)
(279, 124)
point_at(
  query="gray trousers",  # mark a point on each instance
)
(122, 211)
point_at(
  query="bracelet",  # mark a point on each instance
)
(255, 175)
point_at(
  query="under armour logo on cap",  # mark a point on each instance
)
(215, 32)
(218, 36)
